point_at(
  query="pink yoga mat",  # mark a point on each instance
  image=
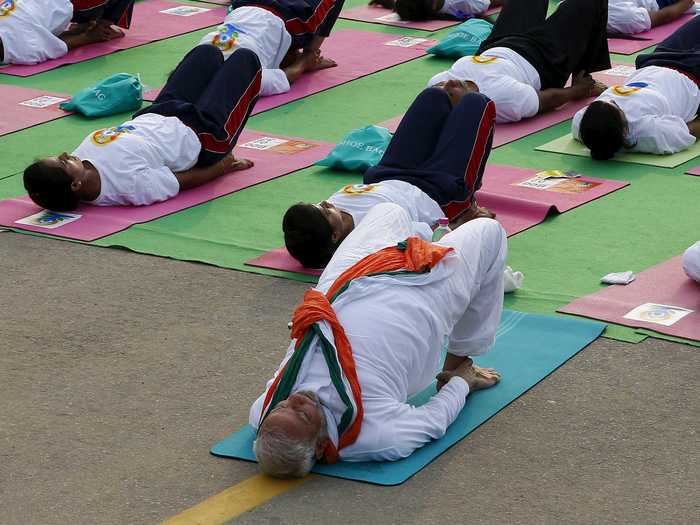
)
(517, 208)
(664, 284)
(15, 115)
(694, 171)
(148, 25)
(508, 132)
(374, 14)
(652, 37)
(358, 53)
(98, 221)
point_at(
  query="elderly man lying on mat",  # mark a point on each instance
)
(370, 336)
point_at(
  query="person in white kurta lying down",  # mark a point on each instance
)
(656, 110)
(629, 17)
(527, 60)
(34, 31)
(418, 10)
(370, 335)
(691, 262)
(285, 34)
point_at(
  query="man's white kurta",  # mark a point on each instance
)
(397, 325)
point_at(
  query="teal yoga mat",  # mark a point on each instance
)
(528, 348)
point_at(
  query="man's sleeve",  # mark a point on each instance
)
(663, 135)
(410, 427)
(274, 82)
(627, 18)
(154, 185)
(521, 102)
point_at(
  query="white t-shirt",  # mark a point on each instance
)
(691, 262)
(502, 75)
(28, 29)
(657, 102)
(137, 160)
(359, 199)
(463, 9)
(263, 33)
(396, 326)
(630, 16)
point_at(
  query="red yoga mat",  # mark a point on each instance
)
(511, 131)
(666, 293)
(148, 25)
(23, 108)
(98, 221)
(358, 54)
(517, 207)
(655, 35)
(381, 15)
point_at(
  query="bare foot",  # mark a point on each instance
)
(230, 163)
(324, 63)
(473, 212)
(476, 377)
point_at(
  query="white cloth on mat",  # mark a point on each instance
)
(691, 262)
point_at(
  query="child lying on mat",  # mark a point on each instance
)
(418, 10)
(432, 168)
(691, 262)
(396, 316)
(34, 31)
(526, 61)
(285, 34)
(630, 17)
(181, 141)
(656, 110)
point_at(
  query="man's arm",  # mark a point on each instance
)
(198, 176)
(583, 86)
(95, 33)
(694, 127)
(670, 13)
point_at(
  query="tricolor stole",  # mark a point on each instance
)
(414, 255)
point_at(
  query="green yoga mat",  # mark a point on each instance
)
(528, 348)
(569, 146)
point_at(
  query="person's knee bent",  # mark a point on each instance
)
(246, 59)
(206, 54)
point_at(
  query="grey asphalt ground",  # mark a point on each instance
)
(118, 371)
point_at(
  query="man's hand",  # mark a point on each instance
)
(476, 377)
(389, 4)
(230, 163)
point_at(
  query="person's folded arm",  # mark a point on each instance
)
(670, 13)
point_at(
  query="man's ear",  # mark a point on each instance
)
(335, 236)
(321, 447)
(76, 185)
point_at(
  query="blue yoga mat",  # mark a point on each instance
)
(528, 348)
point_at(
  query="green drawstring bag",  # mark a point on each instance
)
(359, 150)
(115, 94)
(464, 40)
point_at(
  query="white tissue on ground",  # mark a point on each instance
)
(512, 280)
(618, 278)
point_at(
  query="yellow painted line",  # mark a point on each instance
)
(234, 501)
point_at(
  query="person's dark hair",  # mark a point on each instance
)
(308, 235)
(414, 10)
(602, 130)
(49, 187)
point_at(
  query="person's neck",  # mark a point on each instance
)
(348, 222)
(92, 185)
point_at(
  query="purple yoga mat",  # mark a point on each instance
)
(517, 208)
(694, 171)
(148, 25)
(652, 37)
(510, 131)
(15, 116)
(664, 284)
(374, 14)
(99, 221)
(358, 53)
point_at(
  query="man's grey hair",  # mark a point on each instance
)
(282, 457)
